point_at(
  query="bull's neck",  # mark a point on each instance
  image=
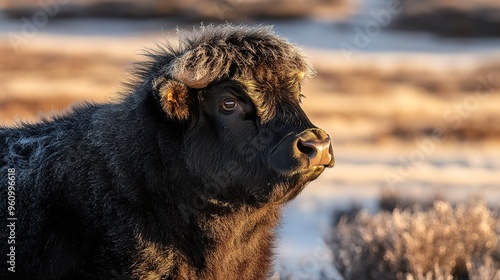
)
(213, 246)
(243, 243)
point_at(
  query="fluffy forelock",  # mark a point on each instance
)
(242, 52)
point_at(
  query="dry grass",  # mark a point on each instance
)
(437, 241)
(480, 18)
(406, 103)
(186, 10)
(360, 104)
(371, 80)
(430, 5)
(42, 82)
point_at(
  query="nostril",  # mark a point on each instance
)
(318, 151)
(307, 148)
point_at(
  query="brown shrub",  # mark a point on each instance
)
(441, 242)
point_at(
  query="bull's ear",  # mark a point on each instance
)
(174, 99)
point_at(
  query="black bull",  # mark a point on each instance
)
(184, 178)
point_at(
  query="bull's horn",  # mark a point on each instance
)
(190, 80)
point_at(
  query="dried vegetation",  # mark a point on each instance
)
(410, 240)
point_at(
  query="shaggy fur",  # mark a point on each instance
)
(174, 181)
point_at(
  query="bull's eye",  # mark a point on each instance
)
(229, 105)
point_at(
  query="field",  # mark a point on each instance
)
(391, 102)
(419, 124)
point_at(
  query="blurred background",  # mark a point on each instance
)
(408, 90)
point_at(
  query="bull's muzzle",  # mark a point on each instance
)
(315, 147)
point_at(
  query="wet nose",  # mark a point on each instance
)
(316, 146)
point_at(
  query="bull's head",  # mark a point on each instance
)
(237, 91)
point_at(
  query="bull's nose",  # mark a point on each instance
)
(316, 146)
